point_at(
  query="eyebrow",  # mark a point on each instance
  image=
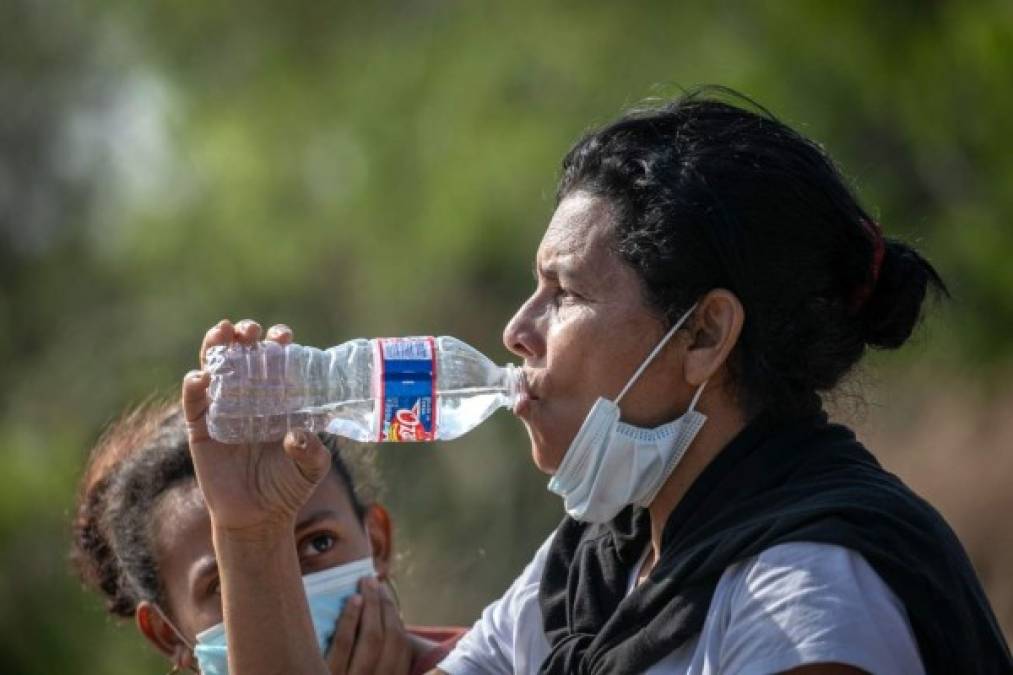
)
(205, 567)
(317, 517)
(553, 270)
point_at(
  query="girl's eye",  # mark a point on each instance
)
(317, 544)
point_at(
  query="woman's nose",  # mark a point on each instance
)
(522, 334)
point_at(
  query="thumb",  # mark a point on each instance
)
(309, 455)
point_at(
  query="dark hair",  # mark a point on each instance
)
(140, 458)
(709, 194)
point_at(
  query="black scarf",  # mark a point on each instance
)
(776, 482)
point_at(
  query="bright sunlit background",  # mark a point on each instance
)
(387, 168)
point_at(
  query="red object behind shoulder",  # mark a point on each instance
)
(445, 638)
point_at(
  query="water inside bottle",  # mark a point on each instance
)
(260, 392)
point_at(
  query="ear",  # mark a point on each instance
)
(381, 538)
(157, 630)
(716, 327)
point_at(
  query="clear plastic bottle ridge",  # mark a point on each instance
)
(385, 389)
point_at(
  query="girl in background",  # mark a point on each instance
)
(143, 540)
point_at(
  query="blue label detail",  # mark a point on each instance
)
(408, 389)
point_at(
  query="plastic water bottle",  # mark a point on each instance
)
(385, 389)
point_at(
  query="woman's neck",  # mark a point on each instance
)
(724, 422)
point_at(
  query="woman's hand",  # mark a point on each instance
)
(370, 637)
(256, 487)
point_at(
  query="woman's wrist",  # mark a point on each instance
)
(250, 554)
(268, 532)
(263, 600)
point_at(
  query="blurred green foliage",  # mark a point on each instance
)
(387, 168)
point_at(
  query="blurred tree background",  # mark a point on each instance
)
(387, 168)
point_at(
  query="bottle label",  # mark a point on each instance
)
(407, 389)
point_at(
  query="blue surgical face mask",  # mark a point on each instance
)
(327, 592)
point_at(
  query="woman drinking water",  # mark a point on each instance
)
(706, 280)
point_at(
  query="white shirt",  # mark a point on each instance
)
(792, 605)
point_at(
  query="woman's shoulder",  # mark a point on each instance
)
(805, 602)
(804, 567)
(804, 558)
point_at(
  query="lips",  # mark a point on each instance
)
(527, 397)
(522, 405)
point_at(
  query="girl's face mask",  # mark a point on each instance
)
(326, 593)
(610, 464)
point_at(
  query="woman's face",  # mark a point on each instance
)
(585, 330)
(327, 533)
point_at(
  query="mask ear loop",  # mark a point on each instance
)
(175, 666)
(657, 350)
(696, 396)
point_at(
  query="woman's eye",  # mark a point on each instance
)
(564, 296)
(317, 544)
(215, 587)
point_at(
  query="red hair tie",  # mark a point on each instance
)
(879, 250)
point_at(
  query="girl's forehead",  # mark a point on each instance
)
(184, 496)
(332, 493)
(182, 524)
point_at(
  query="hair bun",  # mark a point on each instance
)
(894, 307)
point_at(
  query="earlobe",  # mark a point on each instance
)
(183, 659)
(381, 538)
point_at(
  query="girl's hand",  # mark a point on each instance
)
(256, 487)
(370, 637)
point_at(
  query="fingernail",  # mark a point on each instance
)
(355, 601)
(223, 323)
(195, 375)
(280, 328)
(298, 437)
